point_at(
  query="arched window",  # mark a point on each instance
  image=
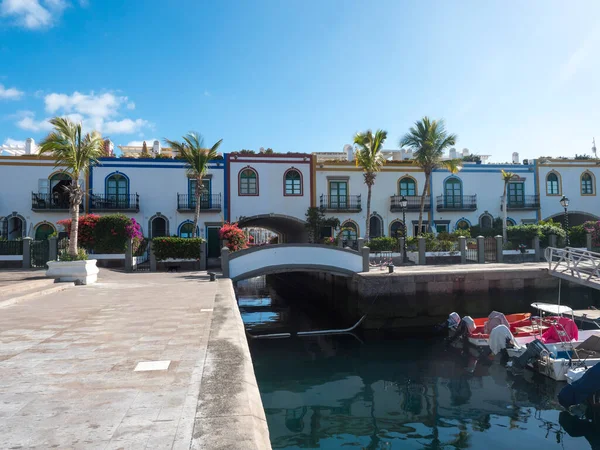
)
(349, 231)
(292, 181)
(552, 184)
(375, 226)
(463, 224)
(587, 184)
(43, 231)
(248, 183)
(397, 229)
(485, 221)
(407, 186)
(453, 193)
(158, 227)
(117, 190)
(186, 230)
(510, 222)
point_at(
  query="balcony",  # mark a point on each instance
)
(521, 203)
(50, 202)
(115, 202)
(414, 203)
(457, 202)
(350, 203)
(208, 203)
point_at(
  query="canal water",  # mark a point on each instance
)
(392, 392)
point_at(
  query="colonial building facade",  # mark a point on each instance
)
(274, 192)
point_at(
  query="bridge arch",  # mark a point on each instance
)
(279, 258)
(575, 217)
(291, 229)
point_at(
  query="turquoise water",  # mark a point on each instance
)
(350, 392)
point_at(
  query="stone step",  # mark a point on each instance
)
(26, 285)
(11, 299)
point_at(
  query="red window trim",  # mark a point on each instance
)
(240, 182)
(301, 194)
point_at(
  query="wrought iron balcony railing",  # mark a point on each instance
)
(115, 202)
(413, 203)
(521, 202)
(341, 202)
(457, 202)
(49, 202)
(208, 202)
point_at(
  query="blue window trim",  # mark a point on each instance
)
(460, 220)
(110, 175)
(185, 222)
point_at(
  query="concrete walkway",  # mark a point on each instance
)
(67, 361)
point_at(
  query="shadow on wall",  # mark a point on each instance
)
(291, 229)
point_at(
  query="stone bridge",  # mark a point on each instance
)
(278, 258)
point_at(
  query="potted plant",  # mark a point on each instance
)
(73, 153)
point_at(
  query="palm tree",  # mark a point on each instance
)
(196, 157)
(371, 160)
(428, 139)
(506, 177)
(74, 153)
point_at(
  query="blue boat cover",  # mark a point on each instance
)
(578, 392)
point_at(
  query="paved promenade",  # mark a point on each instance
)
(68, 360)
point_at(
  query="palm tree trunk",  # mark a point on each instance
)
(368, 227)
(74, 200)
(504, 214)
(197, 209)
(422, 208)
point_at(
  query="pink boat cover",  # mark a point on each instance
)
(565, 331)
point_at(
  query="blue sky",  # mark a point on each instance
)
(306, 75)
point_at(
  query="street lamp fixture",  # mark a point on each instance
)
(403, 205)
(564, 202)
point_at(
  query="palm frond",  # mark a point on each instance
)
(369, 146)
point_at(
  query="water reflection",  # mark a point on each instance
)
(336, 393)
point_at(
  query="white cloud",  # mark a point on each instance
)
(28, 122)
(149, 143)
(33, 14)
(131, 105)
(103, 105)
(10, 93)
(14, 142)
(125, 126)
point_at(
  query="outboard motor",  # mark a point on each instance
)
(462, 332)
(534, 350)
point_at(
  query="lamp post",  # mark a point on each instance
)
(564, 201)
(403, 205)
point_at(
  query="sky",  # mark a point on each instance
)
(306, 75)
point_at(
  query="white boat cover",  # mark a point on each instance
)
(498, 338)
(552, 309)
(468, 320)
(494, 319)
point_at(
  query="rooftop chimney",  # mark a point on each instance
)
(156, 147)
(515, 158)
(349, 152)
(452, 153)
(30, 148)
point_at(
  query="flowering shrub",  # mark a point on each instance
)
(329, 241)
(176, 247)
(235, 236)
(86, 229)
(106, 234)
(593, 228)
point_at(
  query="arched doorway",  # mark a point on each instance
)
(290, 229)
(15, 228)
(43, 231)
(158, 227)
(58, 189)
(397, 229)
(375, 226)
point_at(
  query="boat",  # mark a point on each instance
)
(476, 332)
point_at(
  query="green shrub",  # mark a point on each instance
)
(112, 233)
(384, 244)
(523, 234)
(578, 236)
(176, 247)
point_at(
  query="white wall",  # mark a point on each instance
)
(570, 173)
(270, 198)
(158, 182)
(19, 177)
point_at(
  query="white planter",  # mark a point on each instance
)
(81, 272)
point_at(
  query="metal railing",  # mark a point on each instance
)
(413, 203)
(457, 202)
(11, 247)
(341, 202)
(208, 202)
(115, 202)
(45, 202)
(578, 265)
(522, 202)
